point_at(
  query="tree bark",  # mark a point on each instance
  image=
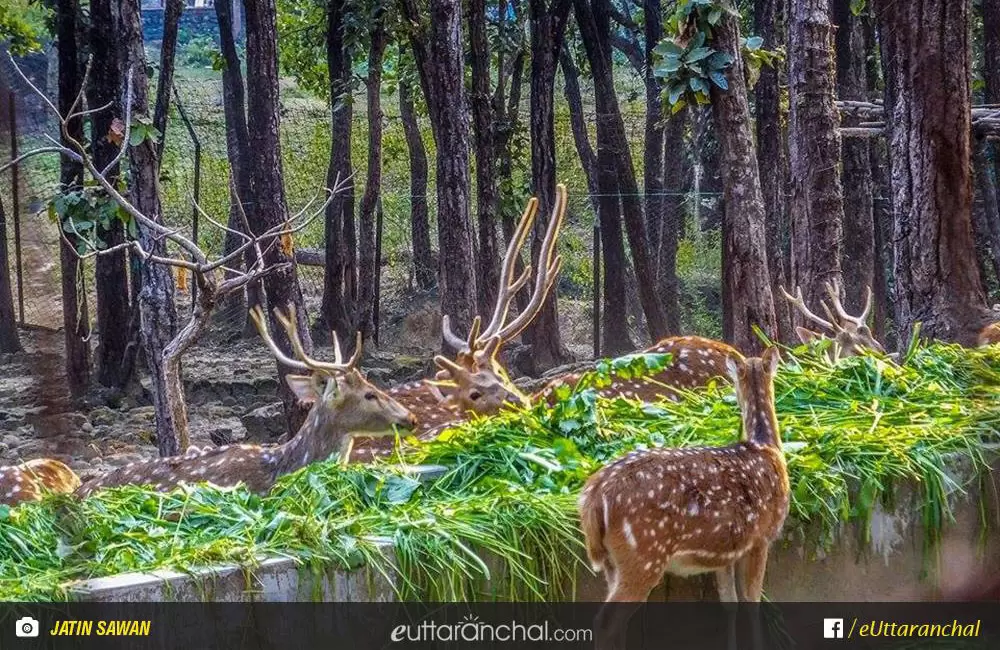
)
(367, 269)
(156, 297)
(547, 28)
(858, 251)
(341, 265)
(880, 162)
(991, 93)
(746, 286)
(768, 24)
(264, 166)
(814, 149)
(593, 19)
(165, 84)
(928, 97)
(439, 55)
(578, 123)
(9, 339)
(76, 319)
(420, 233)
(111, 278)
(675, 178)
(991, 206)
(483, 122)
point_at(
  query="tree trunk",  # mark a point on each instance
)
(880, 162)
(340, 269)
(746, 289)
(156, 297)
(675, 177)
(814, 149)
(235, 305)
(593, 19)
(578, 123)
(858, 252)
(991, 151)
(439, 55)
(483, 122)
(9, 340)
(420, 234)
(547, 28)
(928, 98)
(76, 319)
(264, 166)
(991, 207)
(111, 278)
(165, 84)
(367, 269)
(769, 23)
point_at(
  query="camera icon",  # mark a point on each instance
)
(26, 627)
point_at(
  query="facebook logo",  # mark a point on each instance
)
(833, 628)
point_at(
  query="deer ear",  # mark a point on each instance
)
(303, 388)
(806, 335)
(732, 367)
(771, 357)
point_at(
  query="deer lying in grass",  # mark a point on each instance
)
(690, 511)
(694, 362)
(476, 382)
(344, 404)
(850, 334)
(31, 480)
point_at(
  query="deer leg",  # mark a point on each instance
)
(751, 570)
(726, 582)
(624, 598)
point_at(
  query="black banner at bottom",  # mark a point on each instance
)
(413, 626)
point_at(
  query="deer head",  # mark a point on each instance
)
(31, 480)
(477, 380)
(850, 334)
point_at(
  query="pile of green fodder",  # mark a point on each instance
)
(858, 429)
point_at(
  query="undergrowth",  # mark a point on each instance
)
(501, 523)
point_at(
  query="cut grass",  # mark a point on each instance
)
(501, 524)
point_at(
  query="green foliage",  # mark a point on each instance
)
(82, 214)
(202, 52)
(24, 24)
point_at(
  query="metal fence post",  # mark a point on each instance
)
(597, 290)
(15, 196)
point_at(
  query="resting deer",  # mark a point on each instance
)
(695, 510)
(850, 334)
(344, 404)
(694, 361)
(32, 480)
(476, 382)
(991, 333)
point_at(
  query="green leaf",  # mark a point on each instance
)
(698, 54)
(678, 107)
(754, 42)
(675, 93)
(719, 79)
(137, 136)
(399, 489)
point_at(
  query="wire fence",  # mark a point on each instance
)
(195, 165)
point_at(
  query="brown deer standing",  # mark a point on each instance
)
(32, 480)
(344, 404)
(850, 334)
(476, 382)
(694, 362)
(695, 510)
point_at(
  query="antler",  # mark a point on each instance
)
(304, 361)
(549, 263)
(799, 303)
(833, 290)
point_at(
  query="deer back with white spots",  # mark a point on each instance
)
(850, 334)
(694, 362)
(344, 404)
(694, 510)
(31, 480)
(476, 382)
(991, 333)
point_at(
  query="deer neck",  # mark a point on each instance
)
(760, 424)
(317, 439)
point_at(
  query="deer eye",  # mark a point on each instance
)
(370, 396)
(474, 395)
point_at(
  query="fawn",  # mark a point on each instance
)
(690, 511)
(695, 361)
(850, 334)
(476, 382)
(344, 404)
(31, 480)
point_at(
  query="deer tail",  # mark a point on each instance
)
(592, 521)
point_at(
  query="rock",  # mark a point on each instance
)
(102, 415)
(58, 424)
(230, 401)
(265, 423)
(222, 436)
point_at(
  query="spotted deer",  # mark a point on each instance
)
(343, 403)
(991, 333)
(475, 381)
(850, 334)
(693, 510)
(31, 480)
(694, 362)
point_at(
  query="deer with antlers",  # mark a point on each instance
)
(850, 334)
(475, 381)
(344, 405)
(32, 480)
(694, 510)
